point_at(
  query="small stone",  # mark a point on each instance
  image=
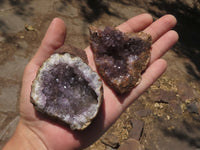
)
(164, 96)
(158, 105)
(185, 91)
(137, 128)
(21, 37)
(29, 27)
(192, 108)
(110, 140)
(131, 144)
(183, 107)
(168, 117)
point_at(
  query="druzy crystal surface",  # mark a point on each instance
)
(120, 58)
(67, 90)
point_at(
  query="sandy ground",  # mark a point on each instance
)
(166, 109)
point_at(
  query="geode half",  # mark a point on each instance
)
(120, 57)
(67, 90)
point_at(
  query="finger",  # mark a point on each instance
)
(162, 45)
(161, 26)
(54, 38)
(90, 57)
(136, 23)
(153, 72)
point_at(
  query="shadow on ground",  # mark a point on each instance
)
(93, 9)
(187, 27)
(18, 7)
(188, 133)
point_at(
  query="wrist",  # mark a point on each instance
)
(24, 138)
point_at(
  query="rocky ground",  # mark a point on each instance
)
(165, 117)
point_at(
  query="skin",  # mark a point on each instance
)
(34, 131)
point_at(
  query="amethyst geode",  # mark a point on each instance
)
(67, 90)
(120, 58)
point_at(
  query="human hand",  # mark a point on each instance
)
(37, 132)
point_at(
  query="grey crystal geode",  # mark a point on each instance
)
(67, 90)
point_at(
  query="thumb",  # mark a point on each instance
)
(54, 38)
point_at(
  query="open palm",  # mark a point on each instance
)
(55, 136)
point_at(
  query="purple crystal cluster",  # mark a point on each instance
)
(66, 90)
(116, 55)
(114, 47)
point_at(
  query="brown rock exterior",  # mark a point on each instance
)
(120, 58)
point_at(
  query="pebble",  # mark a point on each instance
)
(192, 108)
(110, 140)
(158, 105)
(21, 37)
(137, 128)
(131, 144)
(164, 96)
(185, 91)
